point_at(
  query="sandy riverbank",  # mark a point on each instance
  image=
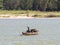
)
(14, 17)
(8, 16)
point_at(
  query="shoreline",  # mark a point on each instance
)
(24, 17)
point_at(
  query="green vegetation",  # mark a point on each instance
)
(1, 4)
(12, 12)
(41, 5)
(30, 13)
(33, 8)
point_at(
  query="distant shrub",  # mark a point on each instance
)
(36, 15)
(53, 16)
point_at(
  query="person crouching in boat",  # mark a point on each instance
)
(34, 30)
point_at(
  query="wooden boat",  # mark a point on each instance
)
(30, 32)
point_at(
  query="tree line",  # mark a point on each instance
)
(41, 5)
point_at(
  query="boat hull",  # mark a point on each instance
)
(29, 33)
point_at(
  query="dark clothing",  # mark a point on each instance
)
(28, 31)
(33, 30)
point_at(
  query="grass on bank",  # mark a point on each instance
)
(30, 13)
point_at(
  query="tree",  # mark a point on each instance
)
(58, 5)
(36, 5)
(1, 4)
(10, 4)
(42, 5)
(52, 5)
(26, 4)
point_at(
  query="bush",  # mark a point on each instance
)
(52, 16)
(34, 15)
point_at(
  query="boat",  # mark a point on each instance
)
(30, 32)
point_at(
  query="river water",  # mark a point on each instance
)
(11, 31)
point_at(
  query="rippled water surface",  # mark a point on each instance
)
(11, 31)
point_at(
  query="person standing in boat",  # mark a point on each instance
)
(28, 29)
